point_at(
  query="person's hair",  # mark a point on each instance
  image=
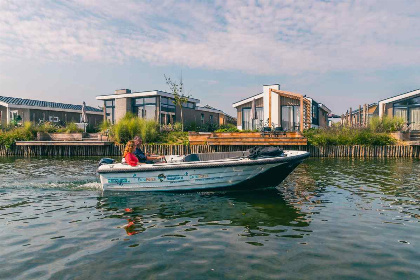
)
(137, 138)
(129, 148)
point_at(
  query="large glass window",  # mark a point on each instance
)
(189, 105)
(246, 118)
(415, 118)
(409, 110)
(252, 122)
(167, 104)
(145, 107)
(290, 118)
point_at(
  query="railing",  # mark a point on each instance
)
(117, 150)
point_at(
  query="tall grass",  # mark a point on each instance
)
(130, 126)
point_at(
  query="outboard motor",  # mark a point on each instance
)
(106, 161)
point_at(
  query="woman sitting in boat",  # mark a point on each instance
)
(129, 156)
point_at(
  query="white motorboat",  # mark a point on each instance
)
(203, 171)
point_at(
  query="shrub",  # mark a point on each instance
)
(347, 136)
(206, 127)
(386, 124)
(47, 127)
(69, 128)
(173, 138)
(24, 133)
(227, 128)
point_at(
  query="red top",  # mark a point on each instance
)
(131, 159)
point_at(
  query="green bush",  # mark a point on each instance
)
(24, 133)
(69, 128)
(386, 124)
(227, 128)
(206, 127)
(47, 127)
(347, 136)
(173, 138)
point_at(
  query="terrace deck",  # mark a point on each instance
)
(247, 138)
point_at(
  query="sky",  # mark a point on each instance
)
(341, 53)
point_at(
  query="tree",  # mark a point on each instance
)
(178, 91)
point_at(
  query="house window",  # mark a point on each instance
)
(211, 118)
(315, 114)
(110, 110)
(167, 105)
(202, 118)
(409, 110)
(145, 107)
(290, 118)
(53, 119)
(189, 105)
(252, 122)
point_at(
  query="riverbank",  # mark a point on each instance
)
(356, 151)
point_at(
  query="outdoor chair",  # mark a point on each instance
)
(279, 131)
(266, 131)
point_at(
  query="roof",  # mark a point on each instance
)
(245, 100)
(46, 104)
(141, 94)
(402, 95)
(369, 106)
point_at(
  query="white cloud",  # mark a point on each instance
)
(262, 37)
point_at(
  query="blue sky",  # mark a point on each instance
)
(341, 53)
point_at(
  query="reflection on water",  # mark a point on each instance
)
(259, 212)
(339, 218)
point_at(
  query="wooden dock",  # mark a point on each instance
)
(247, 139)
(63, 143)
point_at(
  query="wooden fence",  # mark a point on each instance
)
(117, 150)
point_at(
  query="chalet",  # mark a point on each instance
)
(160, 106)
(22, 110)
(274, 107)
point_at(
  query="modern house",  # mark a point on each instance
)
(158, 105)
(405, 105)
(279, 108)
(22, 110)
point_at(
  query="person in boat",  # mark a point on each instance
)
(129, 156)
(138, 152)
(141, 156)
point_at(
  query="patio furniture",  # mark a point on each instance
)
(266, 131)
(279, 131)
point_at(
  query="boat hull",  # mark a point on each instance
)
(201, 176)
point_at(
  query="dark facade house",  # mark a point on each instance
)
(158, 105)
(288, 110)
(22, 110)
(406, 106)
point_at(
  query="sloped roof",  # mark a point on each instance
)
(46, 104)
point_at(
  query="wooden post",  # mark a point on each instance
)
(269, 107)
(301, 114)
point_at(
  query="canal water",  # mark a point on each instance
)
(330, 219)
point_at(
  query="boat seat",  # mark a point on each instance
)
(215, 156)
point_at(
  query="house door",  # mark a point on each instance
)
(414, 115)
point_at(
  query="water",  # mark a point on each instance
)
(332, 218)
